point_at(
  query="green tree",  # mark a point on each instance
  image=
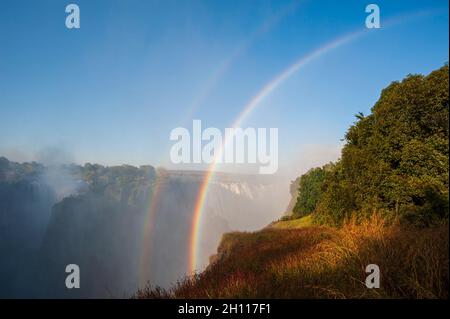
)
(309, 191)
(395, 160)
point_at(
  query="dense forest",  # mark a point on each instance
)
(394, 162)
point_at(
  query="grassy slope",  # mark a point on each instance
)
(293, 223)
(320, 262)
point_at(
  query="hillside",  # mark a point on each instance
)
(323, 262)
(384, 202)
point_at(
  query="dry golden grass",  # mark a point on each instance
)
(323, 262)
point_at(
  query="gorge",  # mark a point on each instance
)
(123, 226)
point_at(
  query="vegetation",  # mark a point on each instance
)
(384, 202)
(322, 262)
(310, 190)
(395, 160)
(285, 223)
(293, 190)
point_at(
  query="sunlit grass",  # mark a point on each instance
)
(323, 262)
(293, 223)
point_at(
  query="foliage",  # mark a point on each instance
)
(310, 190)
(395, 160)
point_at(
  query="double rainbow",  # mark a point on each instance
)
(196, 225)
(249, 107)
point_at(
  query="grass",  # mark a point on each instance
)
(293, 223)
(322, 262)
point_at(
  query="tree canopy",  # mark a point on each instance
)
(394, 161)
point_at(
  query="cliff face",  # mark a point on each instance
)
(293, 189)
(25, 206)
(122, 226)
(234, 202)
(244, 204)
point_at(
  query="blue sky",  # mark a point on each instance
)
(111, 91)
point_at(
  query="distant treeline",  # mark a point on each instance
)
(394, 162)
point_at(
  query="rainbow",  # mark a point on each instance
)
(195, 229)
(227, 63)
(145, 258)
(249, 107)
